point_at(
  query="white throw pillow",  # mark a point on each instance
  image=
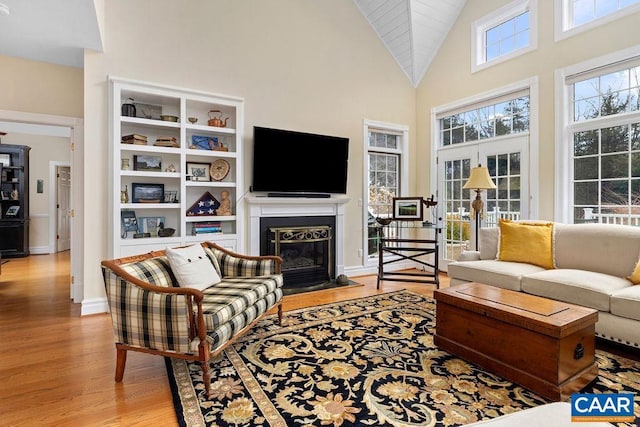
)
(192, 267)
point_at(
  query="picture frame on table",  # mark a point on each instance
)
(147, 193)
(407, 208)
(199, 171)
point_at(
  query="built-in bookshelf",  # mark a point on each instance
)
(176, 164)
(14, 200)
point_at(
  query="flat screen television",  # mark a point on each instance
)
(298, 164)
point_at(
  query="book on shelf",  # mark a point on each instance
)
(206, 227)
(134, 139)
(166, 141)
(206, 231)
(207, 224)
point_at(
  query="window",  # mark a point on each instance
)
(497, 129)
(385, 158)
(575, 16)
(504, 34)
(507, 117)
(602, 143)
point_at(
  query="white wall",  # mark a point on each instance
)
(314, 66)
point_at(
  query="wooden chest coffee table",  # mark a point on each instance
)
(544, 345)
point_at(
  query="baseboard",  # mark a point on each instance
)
(39, 250)
(94, 306)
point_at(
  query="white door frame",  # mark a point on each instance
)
(76, 126)
(53, 209)
(532, 151)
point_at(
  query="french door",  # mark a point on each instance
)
(507, 160)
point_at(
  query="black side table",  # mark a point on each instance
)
(410, 250)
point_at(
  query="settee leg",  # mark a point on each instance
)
(206, 377)
(121, 361)
(280, 314)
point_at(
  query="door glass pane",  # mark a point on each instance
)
(504, 202)
(456, 201)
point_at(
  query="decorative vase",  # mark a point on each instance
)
(124, 164)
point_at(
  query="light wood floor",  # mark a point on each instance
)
(57, 367)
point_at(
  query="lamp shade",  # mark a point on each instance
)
(479, 180)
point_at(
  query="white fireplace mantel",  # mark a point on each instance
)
(262, 206)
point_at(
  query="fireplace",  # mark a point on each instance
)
(287, 212)
(306, 246)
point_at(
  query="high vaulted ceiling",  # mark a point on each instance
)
(412, 30)
(59, 31)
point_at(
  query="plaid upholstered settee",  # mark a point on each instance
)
(151, 313)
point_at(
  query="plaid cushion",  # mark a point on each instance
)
(231, 266)
(156, 271)
(147, 319)
(224, 333)
(232, 296)
(214, 259)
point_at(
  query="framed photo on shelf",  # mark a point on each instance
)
(150, 224)
(147, 193)
(199, 142)
(199, 171)
(147, 163)
(170, 196)
(128, 221)
(407, 208)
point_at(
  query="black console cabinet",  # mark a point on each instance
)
(14, 200)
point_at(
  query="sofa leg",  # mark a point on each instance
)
(206, 377)
(121, 361)
(280, 314)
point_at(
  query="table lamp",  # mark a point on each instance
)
(478, 180)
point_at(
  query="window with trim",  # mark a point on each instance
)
(604, 138)
(574, 16)
(507, 117)
(384, 166)
(504, 34)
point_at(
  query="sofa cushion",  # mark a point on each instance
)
(156, 271)
(603, 248)
(580, 287)
(526, 242)
(223, 333)
(488, 242)
(233, 295)
(192, 267)
(503, 274)
(626, 302)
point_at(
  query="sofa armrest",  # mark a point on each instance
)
(469, 256)
(148, 316)
(233, 264)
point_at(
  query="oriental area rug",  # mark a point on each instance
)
(366, 362)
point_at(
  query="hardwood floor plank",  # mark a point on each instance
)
(65, 363)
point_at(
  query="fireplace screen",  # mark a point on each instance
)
(305, 252)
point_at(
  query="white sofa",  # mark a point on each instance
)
(593, 263)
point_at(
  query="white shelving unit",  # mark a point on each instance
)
(151, 102)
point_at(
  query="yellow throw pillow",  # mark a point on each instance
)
(527, 242)
(635, 276)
